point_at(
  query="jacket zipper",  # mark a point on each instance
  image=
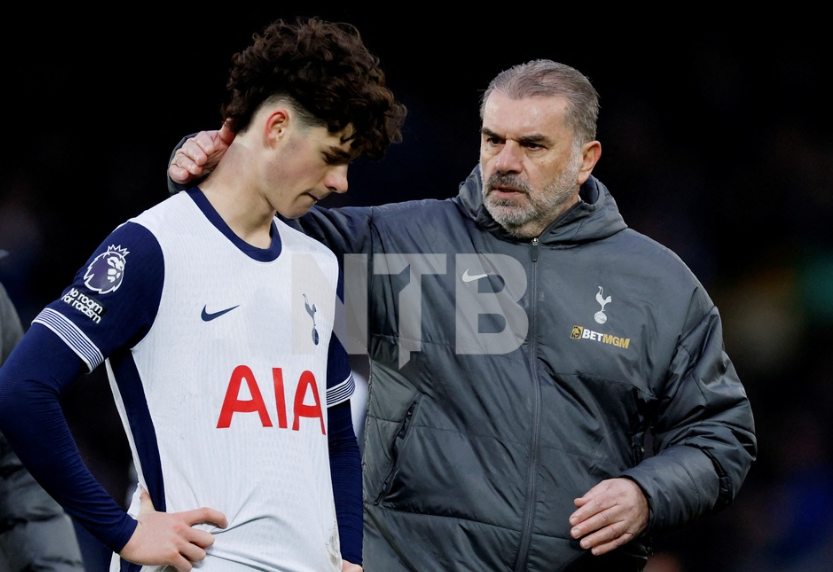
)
(533, 249)
(526, 533)
(398, 438)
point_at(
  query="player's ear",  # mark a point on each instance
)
(277, 123)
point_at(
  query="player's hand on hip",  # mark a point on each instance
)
(169, 538)
(200, 154)
(611, 514)
(350, 567)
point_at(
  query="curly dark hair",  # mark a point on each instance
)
(326, 70)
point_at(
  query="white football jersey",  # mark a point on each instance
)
(217, 355)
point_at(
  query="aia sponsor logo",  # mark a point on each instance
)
(235, 404)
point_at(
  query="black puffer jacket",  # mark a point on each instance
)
(509, 377)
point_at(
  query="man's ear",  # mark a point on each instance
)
(277, 123)
(590, 154)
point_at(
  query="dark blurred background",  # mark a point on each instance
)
(716, 137)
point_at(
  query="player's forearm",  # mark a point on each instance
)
(346, 472)
(34, 424)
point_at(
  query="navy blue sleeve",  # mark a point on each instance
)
(340, 384)
(346, 473)
(114, 297)
(110, 306)
(31, 381)
(345, 456)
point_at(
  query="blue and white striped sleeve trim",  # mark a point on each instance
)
(72, 336)
(341, 392)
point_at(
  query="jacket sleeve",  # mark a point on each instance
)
(704, 433)
(10, 329)
(345, 230)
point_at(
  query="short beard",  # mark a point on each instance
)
(530, 219)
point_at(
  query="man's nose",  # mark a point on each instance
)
(509, 160)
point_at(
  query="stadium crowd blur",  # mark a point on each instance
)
(716, 142)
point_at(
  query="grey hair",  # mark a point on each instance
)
(546, 78)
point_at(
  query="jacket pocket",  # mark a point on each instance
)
(395, 447)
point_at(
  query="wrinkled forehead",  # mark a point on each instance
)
(512, 118)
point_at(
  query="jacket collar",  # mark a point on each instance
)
(595, 217)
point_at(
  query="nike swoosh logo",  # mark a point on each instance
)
(472, 277)
(207, 317)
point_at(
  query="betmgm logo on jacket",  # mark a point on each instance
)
(582, 333)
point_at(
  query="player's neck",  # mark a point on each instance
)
(246, 213)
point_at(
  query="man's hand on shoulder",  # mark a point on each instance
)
(200, 154)
(170, 539)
